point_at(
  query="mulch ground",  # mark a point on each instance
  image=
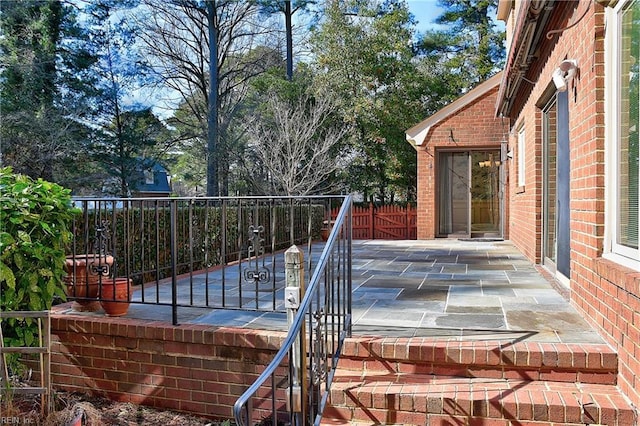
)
(25, 410)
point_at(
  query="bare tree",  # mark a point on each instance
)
(200, 51)
(299, 145)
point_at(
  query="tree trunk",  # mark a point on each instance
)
(212, 113)
(289, 28)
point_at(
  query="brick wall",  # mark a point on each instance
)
(190, 368)
(525, 219)
(586, 121)
(612, 304)
(425, 206)
(472, 127)
(604, 292)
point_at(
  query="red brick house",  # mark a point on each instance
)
(461, 180)
(569, 98)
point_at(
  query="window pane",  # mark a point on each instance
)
(521, 159)
(628, 125)
(454, 193)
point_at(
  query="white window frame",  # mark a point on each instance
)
(618, 253)
(521, 157)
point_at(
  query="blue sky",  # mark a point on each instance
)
(425, 12)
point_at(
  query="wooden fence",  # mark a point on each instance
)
(390, 222)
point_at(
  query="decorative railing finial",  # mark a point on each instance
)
(101, 249)
(255, 272)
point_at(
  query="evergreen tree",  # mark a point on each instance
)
(471, 48)
(363, 53)
(131, 144)
(127, 137)
(44, 84)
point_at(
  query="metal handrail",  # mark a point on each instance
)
(339, 242)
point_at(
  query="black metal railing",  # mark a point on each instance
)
(193, 252)
(294, 387)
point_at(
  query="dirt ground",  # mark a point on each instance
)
(25, 410)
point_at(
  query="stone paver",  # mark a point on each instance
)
(436, 288)
(478, 290)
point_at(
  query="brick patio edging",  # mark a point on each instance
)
(191, 368)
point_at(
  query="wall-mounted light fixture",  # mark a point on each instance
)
(563, 75)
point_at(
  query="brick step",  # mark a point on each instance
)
(584, 363)
(448, 420)
(419, 399)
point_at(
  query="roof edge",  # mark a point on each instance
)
(417, 134)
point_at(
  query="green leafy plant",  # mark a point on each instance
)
(35, 216)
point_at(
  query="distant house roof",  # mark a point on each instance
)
(153, 179)
(418, 133)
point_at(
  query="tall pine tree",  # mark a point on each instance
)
(471, 47)
(43, 84)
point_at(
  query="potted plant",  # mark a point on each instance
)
(115, 296)
(326, 229)
(84, 273)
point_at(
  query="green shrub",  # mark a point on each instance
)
(34, 229)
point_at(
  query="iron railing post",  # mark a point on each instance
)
(174, 259)
(349, 267)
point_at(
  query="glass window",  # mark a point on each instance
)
(521, 157)
(627, 124)
(623, 58)
(149, 177)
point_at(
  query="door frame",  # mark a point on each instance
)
(560, 266)
(501, 155)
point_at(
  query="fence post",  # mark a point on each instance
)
(371, 219)
(407, 222)
(294, 291)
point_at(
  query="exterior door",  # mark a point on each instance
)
(469, 202)
(453, 195)
(556, 209)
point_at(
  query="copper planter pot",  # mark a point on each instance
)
(84, 274)
(115, 296)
